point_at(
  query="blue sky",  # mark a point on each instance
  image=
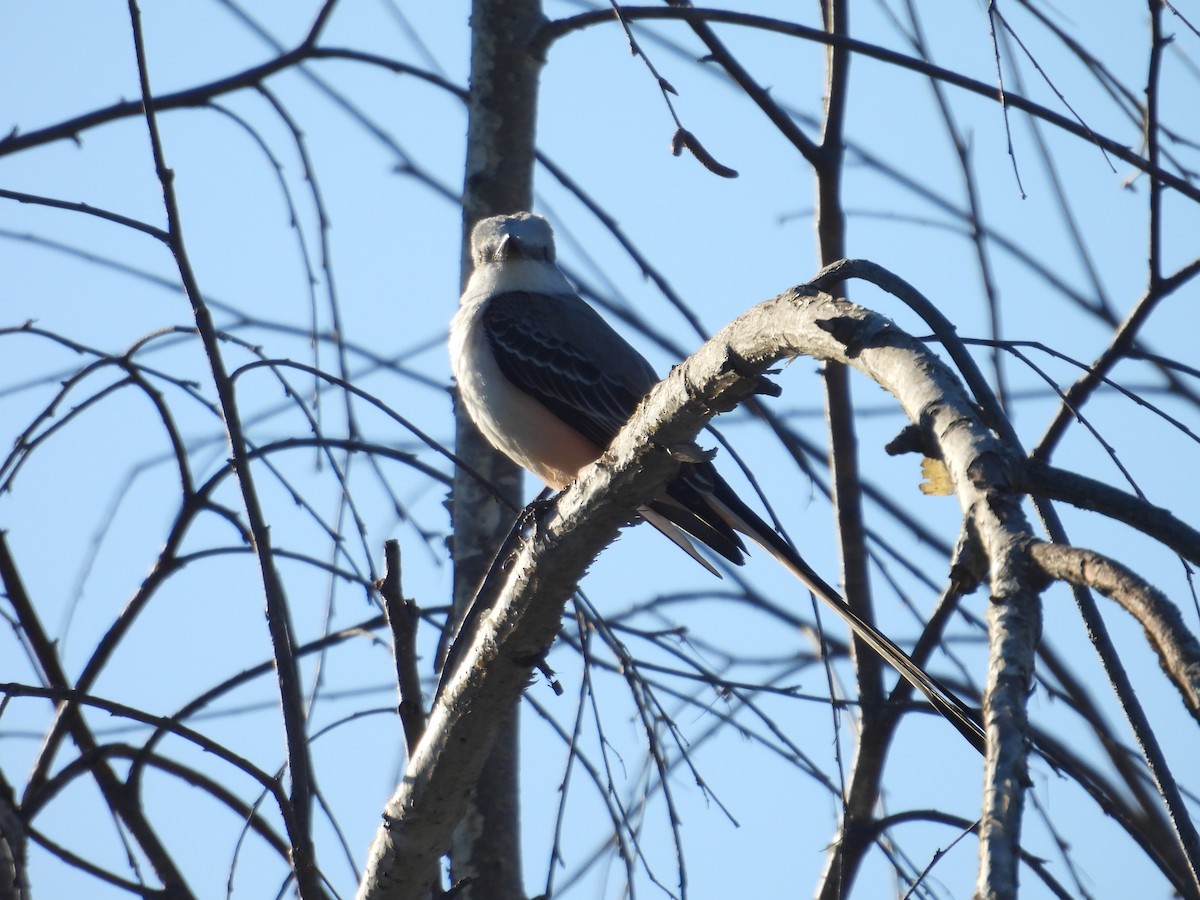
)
(85, 517)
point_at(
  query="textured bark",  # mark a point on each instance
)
(849, 846)
(485, 858)
(476, 703)
(1014, 627)
(1166, 632)
(486, 851)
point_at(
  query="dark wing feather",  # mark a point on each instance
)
(596, 401)
(561, 375)
(687, 506)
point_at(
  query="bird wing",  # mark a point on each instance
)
(562, 353)
(559, 351)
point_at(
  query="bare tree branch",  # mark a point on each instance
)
(1089, 493)
(560, 27)
(588, 514)
(116, 795)
(1177, 648)
(278, 614)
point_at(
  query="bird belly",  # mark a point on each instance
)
(515, 423)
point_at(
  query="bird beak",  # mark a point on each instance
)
(509, 248)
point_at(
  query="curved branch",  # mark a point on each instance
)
(1053, 483)
(201, 95)
(85, 208)
(279, 619)
(1177, 648)
(191, 776)
(560, 27)
(119, 800)
(1037, 864)
(75, 699)
(1186, 834)
(1121, 345)
(567, 537)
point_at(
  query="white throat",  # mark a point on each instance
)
(534, 276)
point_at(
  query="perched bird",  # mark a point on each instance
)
(550, 384)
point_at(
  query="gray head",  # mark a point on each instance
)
(521, 235)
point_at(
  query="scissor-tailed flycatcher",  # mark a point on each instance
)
(550, 384)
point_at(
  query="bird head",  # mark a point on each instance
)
(521, 235)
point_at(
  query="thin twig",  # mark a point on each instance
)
(122, 802)
(278, 615)
(552, 31)
(403, 617)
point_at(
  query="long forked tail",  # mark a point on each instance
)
(731, 508)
